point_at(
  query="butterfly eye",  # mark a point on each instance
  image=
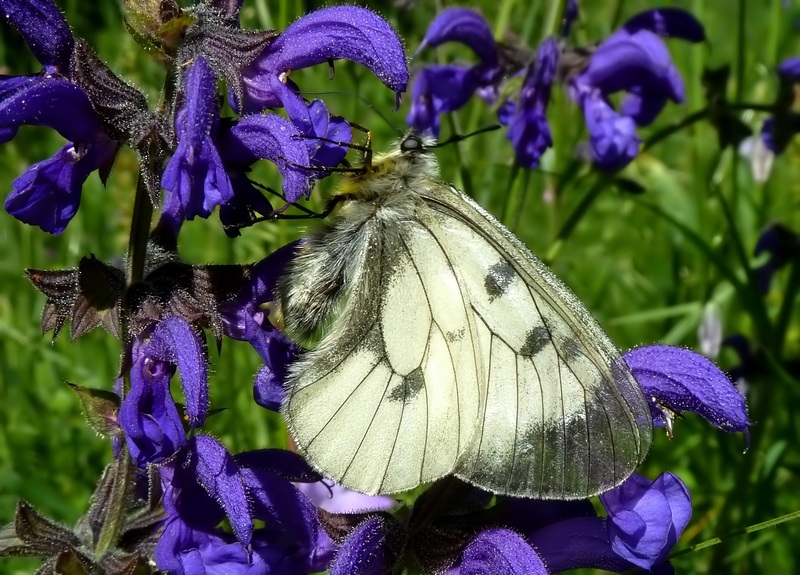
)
(412, 144)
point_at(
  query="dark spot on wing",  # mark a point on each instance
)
(535, 341)
(498, 279)
(409, 388)
(454, 336)
(570, 348)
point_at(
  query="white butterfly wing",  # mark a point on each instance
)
(561, 415)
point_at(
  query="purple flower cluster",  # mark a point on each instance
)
(633, 60)
(211, 154)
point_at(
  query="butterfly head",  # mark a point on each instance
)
(407, 167)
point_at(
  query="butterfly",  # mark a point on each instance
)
(442, 346)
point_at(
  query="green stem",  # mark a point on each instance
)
(140, 231)
(667, 131)
(738, 533)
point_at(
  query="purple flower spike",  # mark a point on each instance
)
(338, 32)
(681, 380)
(633, 60)
(465, 26)
(45, 30)
(646, 519)
(500, 552)
(195, 177)
(668, 23)
(528, 129)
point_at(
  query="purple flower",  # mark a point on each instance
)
(195, 177)
(676, 380)
(48, 193)
(205, 484)
(446, 88)
(646, 519)
(148, 415)
(337, 32)
(635, 60)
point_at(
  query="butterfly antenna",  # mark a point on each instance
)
(460, 137)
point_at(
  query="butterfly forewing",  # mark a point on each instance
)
(561, 416)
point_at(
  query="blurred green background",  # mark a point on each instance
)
(646, 278)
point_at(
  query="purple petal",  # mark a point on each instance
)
(314, 120)
(790, 69)
(289, 513)
(438, 90)
(364, 551)
(51, 102)
(182, 550)
(682, 380)
(465, 26)
(499, 552)
(337, 499)
(219, 475)
(275, 139)
(640, 61)
(335, 128)
(44, 28)
(337, 32)
(646, 519)
(768, 134)
(613, 137)
(174, 341)
(668, 22)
